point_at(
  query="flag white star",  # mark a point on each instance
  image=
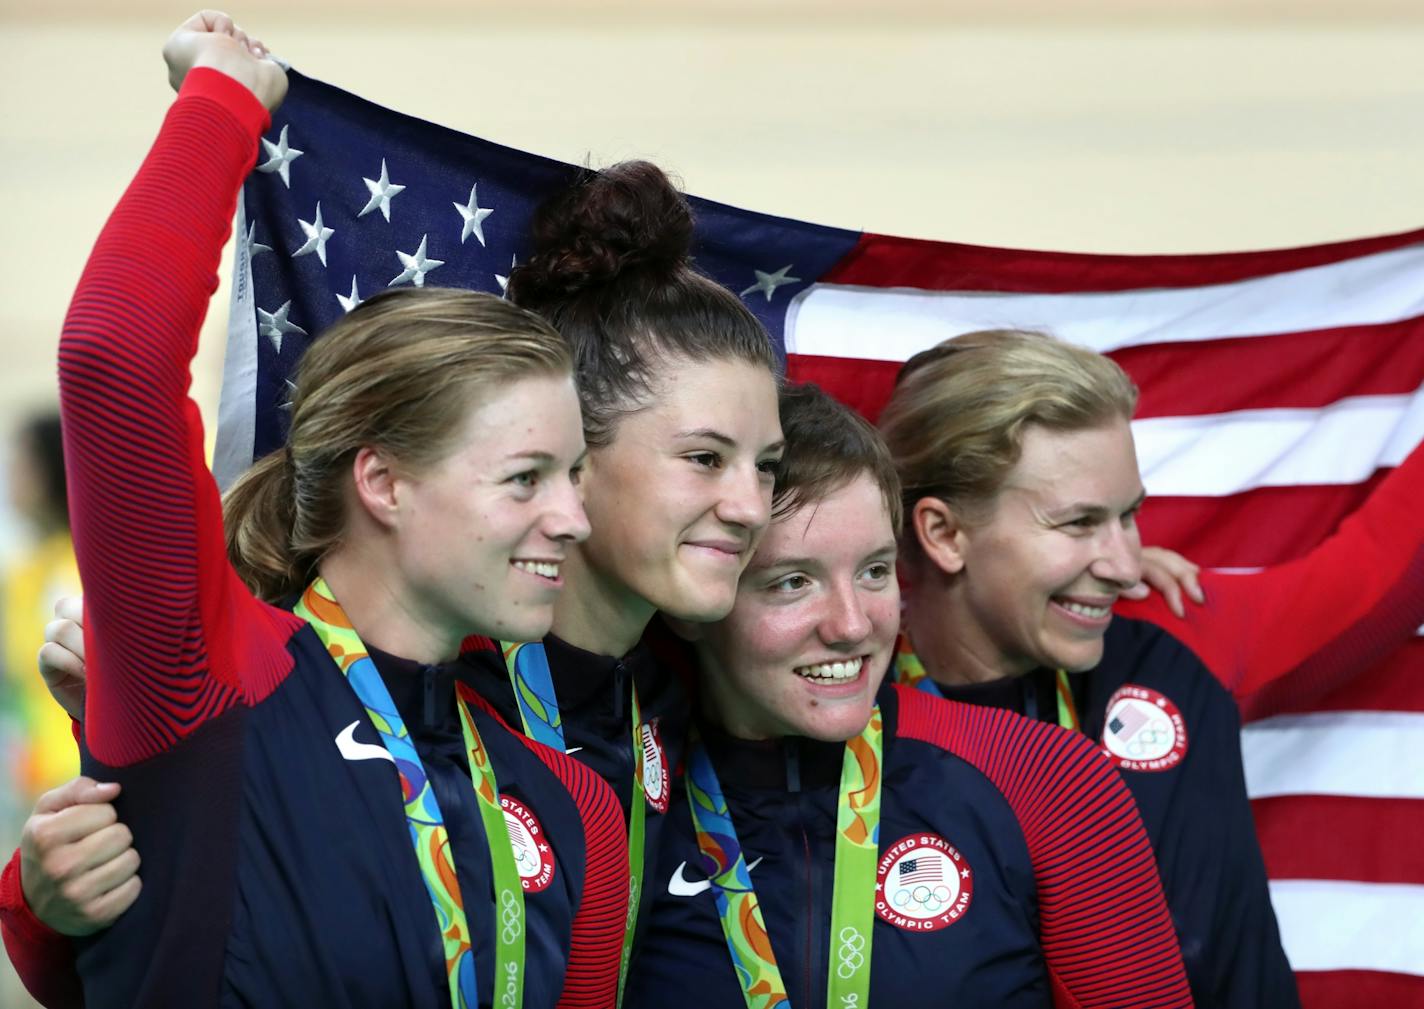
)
(254, 247)
(280, 157)
(503, 282)
(274, 325)
(348, 302)
(767, 283)
(317, 233)
(474, 217)
(291, 395)
(416, 264)
(382, 190)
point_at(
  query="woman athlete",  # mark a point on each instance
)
(840, 843)
(1021, 495)
(321, 826)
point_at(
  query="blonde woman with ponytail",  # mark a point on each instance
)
(328, 813)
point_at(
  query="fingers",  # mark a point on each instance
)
(103, 910)
(99, 862)
(1135, 592)
(77, 792)
(70, 608)
(68, 635)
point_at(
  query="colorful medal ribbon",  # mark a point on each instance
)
(422, 811)
(533, 684)
(852, 899)
(910, 671)
(1067, 711)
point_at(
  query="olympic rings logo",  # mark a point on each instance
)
(1150, 738)
(510, 917)
(851, 954)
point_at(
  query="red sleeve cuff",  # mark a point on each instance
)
(216, 86)
(42, 957)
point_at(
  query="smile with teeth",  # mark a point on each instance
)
(1083, 610)
(832, 672)
(544, 569)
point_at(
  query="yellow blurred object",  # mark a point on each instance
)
(32, 584)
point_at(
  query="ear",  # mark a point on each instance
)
(940, 533)
(687, 630)
(375, 481)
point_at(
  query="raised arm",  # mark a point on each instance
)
(146, 513)
(1293, 631)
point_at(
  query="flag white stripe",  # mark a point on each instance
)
(1228, 453)
(1369, 754)
(890, 324)
(1331, 925)
(237, 402)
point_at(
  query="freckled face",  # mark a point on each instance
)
(680, 496)
(1061, 543)
(483, 531)
(814, 625)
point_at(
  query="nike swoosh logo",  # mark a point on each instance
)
(681, 886)
(573, 749)
(352, 750)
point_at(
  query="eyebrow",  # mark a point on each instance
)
(888, 550)
(712, 434)
(543, 457)
(1092, 509)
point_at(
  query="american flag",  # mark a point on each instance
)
(1127, 722)
(1277, 388)
(914, 871)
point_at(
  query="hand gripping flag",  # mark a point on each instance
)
(1278, 390)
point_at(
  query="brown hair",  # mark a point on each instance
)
(399, 373)
(956, 419)
(611, 269)
(828, 446)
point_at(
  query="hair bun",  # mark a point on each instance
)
(623, 221)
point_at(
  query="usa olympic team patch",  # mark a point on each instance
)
(1144, 730)
(923, 884)
(532, 854)
(655, 768)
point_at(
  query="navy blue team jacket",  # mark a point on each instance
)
(287, 855)
(1173, 731)
(593, 692)
(970, 823)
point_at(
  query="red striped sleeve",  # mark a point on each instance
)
(163, 608)
(597, 946)
(1294, 631)
(43, 959)
(1103, 921)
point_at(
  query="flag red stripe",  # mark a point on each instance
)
(1310, 369)
(1302, 370)
(885, 261)
(1253, 529)
(1337, 988)
(1341, 837)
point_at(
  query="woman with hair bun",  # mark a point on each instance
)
(678, 390)
(328, 813)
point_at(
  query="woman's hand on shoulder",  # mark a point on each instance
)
(1170, 574)
(61, 658)
(78, 866)
(211, 39)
